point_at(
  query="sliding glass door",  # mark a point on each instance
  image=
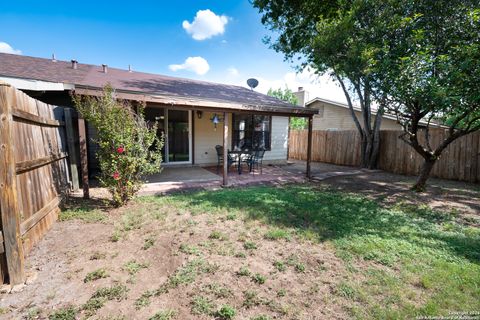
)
(176, 128)
(179, 136)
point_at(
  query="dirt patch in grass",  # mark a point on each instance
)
(291, 252)
(156, 245)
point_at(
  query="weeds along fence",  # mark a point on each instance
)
(33, 176)
(460, 161)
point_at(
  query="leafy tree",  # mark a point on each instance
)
(325, 36)
(417, 59)
(288, 96)
(284, 95)
(429, 68)
(128, 146)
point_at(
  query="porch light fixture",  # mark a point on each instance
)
(216, 120)
(199, 114)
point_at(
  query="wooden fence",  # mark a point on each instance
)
(460, 161)
(33, 176)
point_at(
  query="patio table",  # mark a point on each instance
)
(239, 154)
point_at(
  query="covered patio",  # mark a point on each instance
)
(202, 134)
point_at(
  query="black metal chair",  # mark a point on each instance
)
(230, 160)
(256, 159)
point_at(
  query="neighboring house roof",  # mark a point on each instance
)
(343, 105)
(158, 88)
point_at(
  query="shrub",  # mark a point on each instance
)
(128, 146)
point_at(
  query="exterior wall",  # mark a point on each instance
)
(206, 138)
(338, 118)
(279, 139)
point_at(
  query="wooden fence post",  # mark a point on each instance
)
(8, 191)
(83, 157)
(225, 148)
(309, 147)
(72, 152)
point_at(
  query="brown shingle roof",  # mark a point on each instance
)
(92, 76)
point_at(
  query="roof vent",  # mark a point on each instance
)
(129, 68)
(74, 64)
(104, 68)
(53, 58)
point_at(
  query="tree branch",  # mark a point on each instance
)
(350, 106)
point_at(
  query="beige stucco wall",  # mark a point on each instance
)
(338, 118)
(206, 138)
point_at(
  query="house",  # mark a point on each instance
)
(184, 108)
(333, 115)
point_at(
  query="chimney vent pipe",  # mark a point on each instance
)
(74, 64)
(105, 68)
(53, 58)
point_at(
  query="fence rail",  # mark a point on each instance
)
(33, 175)
(460, 161)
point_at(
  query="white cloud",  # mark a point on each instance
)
(205, 25)
(232, 71)
(6, 48)
(195, 64)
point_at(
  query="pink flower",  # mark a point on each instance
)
(116, 175)
(120, 150)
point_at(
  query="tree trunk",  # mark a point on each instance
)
(427, 167)
(374, 155)
(370, 150)
(370, 138)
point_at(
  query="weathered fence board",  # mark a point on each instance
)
(33, 175)
(459, 161)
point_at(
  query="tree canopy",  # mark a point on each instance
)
(419, 59)
(288, 96)
(327, 37)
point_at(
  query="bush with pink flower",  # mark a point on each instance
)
(129, 148)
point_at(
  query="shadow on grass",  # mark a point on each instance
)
(334, 215)
(91, 210)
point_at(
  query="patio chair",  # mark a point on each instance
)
(256, 159)
(230, 160)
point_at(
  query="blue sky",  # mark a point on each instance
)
(223, 39)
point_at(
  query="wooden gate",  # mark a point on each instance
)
(33, 176)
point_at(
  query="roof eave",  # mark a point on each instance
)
(209, 104)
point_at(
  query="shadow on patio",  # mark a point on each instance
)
(187, 178)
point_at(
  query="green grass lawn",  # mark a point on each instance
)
(259, 253)
(420, 261)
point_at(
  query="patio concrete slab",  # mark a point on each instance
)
(182, 174)
(196, 178)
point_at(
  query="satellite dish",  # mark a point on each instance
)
(252, 83)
